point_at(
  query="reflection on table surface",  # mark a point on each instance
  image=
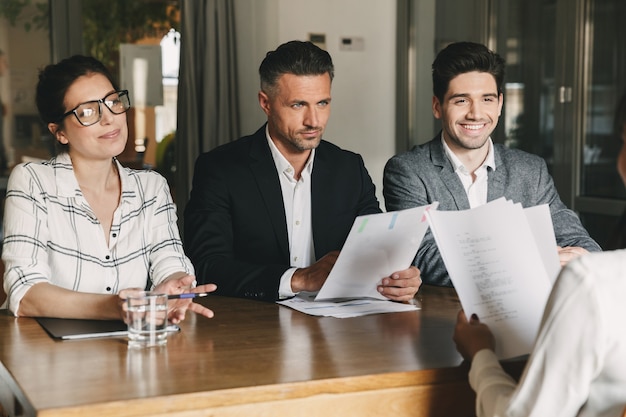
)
(263, 348)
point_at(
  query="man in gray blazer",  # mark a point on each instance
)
(462, 168)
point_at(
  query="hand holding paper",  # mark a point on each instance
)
(378, 245)
(502, 265)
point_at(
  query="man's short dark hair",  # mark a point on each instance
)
(462, 57)
(297, 58)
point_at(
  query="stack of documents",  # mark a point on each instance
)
(503, 261)
(501, 258)
(305, 303)
(377, 246)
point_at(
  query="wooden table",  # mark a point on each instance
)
(252, 359)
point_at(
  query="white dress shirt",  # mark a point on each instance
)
(297, 203)
(476, 190)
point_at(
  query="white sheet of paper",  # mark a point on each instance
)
(542, 228)
(494, 263)
(377, 246)
(305, 303)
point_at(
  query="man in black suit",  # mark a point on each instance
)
(269, 212)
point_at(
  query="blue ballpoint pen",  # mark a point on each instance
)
(187, 295)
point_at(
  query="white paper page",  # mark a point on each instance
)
(377, 246)
(494, 264)
(305, 303)
(542, 228)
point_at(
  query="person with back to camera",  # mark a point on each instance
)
(80, 229)
(462, 168)
(269, 212)
(578, 363)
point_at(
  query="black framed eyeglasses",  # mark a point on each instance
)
(90, 112)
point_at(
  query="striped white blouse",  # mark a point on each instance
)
(52, 235)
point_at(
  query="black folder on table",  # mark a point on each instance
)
(67, 329)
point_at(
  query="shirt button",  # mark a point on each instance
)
(109, 289)
(114, 234)
(107, 257)
(297, 222)
(295, 258)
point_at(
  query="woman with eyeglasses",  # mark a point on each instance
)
(80, 229)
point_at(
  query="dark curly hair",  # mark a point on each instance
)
(462, 57)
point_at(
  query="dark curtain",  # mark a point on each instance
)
(207, 91)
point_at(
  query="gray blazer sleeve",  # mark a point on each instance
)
(404, 188)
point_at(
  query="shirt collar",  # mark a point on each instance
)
(281, 162)
(67, 184)
(489, 162)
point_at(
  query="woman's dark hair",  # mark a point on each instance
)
(56, 79)
(294, 57)
(462, 57)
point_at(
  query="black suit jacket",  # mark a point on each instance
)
(235, 225)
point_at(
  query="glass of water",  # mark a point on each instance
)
(147, 319)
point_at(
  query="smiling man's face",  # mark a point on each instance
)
(469, 111)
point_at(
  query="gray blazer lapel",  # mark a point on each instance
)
(448, 177)
(266, 177)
